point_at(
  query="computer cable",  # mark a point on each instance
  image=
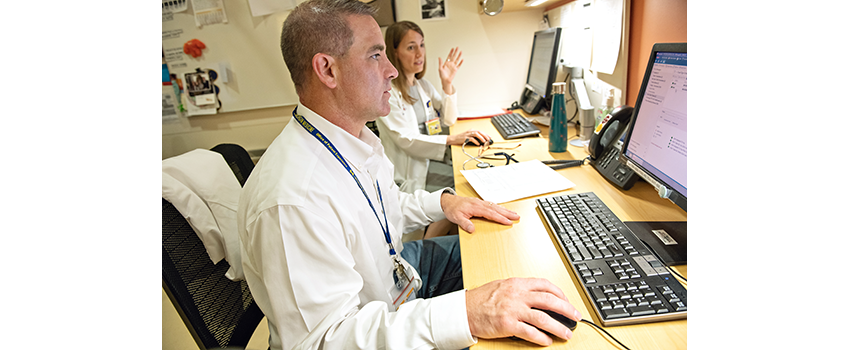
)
(606, 333)
(571, 99)
(556, 164)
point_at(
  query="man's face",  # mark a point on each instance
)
(365, 73)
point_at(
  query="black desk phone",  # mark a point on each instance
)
(605, 147)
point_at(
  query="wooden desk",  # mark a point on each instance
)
(527, 249)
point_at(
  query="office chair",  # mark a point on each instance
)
(372, 126)
(238, 159)
(219, 313)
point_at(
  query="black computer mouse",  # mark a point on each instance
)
(561, 318)
(491, 141)
(558, 317)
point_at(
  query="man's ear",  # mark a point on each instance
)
(325, 68)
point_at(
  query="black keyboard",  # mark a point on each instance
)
(624, 281)
(514, 126)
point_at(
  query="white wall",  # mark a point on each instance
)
(495, 52)
(495, 49)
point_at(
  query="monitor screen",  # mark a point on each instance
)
(544, 61)
(657, 140)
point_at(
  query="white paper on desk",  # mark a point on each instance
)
(519, 180)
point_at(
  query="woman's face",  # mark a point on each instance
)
(411, 52)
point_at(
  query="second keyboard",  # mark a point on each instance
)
(514, 126)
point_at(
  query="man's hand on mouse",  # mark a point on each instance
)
(475, 137)
(504, 308)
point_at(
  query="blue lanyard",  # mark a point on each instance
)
(330, 146)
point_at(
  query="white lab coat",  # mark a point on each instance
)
(408, 149)
(314, 255)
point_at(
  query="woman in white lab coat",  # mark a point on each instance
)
(411, 132)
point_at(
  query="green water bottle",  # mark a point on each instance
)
(558, 124)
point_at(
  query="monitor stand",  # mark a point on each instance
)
(669, 239)
(585, 113)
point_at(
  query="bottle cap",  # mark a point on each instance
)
(559, 88)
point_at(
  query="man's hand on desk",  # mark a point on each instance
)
(503, 308)
(460, 210)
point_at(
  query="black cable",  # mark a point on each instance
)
(572, 98)
(606, 333)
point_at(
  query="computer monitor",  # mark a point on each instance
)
(542, 69)
(656, 144)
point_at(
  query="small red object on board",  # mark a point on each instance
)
(193, 48)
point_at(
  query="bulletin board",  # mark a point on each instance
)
(611, 31)
(245, 52)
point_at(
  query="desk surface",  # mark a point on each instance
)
(527, 249)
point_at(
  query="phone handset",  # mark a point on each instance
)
(605, 147)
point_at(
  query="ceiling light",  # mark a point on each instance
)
(532, 3)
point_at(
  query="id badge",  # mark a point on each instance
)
(407, 282)
(433, 126)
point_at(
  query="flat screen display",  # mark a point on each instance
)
(658, 138)
(543, 65)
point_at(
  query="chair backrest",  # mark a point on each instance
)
(238, 159)
(218, 312)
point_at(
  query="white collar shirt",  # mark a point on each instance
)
(315, 256)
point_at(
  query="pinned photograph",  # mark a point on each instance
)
(199, 87)
(433, 9)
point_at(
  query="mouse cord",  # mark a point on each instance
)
(606, 333)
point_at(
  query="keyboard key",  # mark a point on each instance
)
(598, 294)
(615, 313)
(673, 298)
(642, 310)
